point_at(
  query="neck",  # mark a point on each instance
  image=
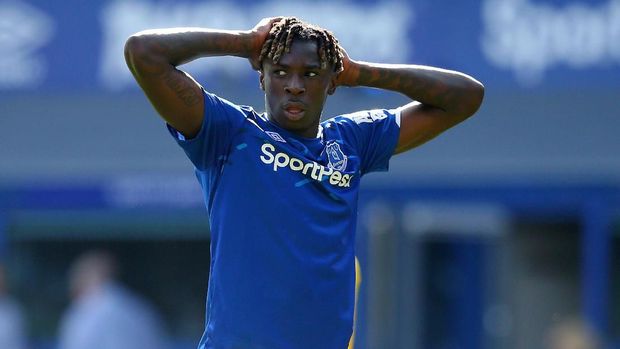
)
(309, 132)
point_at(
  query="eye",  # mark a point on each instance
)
(312, 74)
(279, 72)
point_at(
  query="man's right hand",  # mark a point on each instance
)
(153, 57)
(259, 33)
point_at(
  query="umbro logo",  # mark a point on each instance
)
(275, 136)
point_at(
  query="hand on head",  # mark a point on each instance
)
(261, 32)
(272, 38)
(348, 75)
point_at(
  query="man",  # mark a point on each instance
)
(280, 187)
(104, 314)
(12, 323)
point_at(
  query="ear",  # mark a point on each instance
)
(261, 79)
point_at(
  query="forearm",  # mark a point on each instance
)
(451, 91)
(176, 46)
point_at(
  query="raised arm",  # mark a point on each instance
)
(441, 98)
(153, 57)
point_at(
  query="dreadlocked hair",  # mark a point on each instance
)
(281, 36)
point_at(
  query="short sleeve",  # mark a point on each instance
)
(375, 135)
(221, 120)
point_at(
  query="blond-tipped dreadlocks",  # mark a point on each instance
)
(283, 32)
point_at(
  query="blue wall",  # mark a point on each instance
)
(69, 107)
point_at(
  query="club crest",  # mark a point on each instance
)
(336, 158)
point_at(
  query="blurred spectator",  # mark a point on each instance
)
(103, 313)
(12, 333)
(572, 334)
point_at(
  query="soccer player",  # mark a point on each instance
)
(281, 187)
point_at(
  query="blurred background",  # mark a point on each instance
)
(501, 233)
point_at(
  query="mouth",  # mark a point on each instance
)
(294, 110)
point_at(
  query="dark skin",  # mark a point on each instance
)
(295, 90)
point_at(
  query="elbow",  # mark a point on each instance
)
(141, 54)
(475, 93)
(135, 51)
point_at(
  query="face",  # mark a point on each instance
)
(296, 88)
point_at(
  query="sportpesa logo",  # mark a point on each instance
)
(314, 170)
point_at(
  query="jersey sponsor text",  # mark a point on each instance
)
(314, 170)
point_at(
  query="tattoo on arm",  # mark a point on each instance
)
(416, 84)
(176, 49)
(182, 86)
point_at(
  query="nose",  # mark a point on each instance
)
(295, 86)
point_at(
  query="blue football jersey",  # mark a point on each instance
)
(282, 212)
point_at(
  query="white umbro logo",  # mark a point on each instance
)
(276, 136)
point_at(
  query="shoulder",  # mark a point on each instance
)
(226, 114)
(363, 122)
(224, 103)
(365, 117)
(373, 133)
